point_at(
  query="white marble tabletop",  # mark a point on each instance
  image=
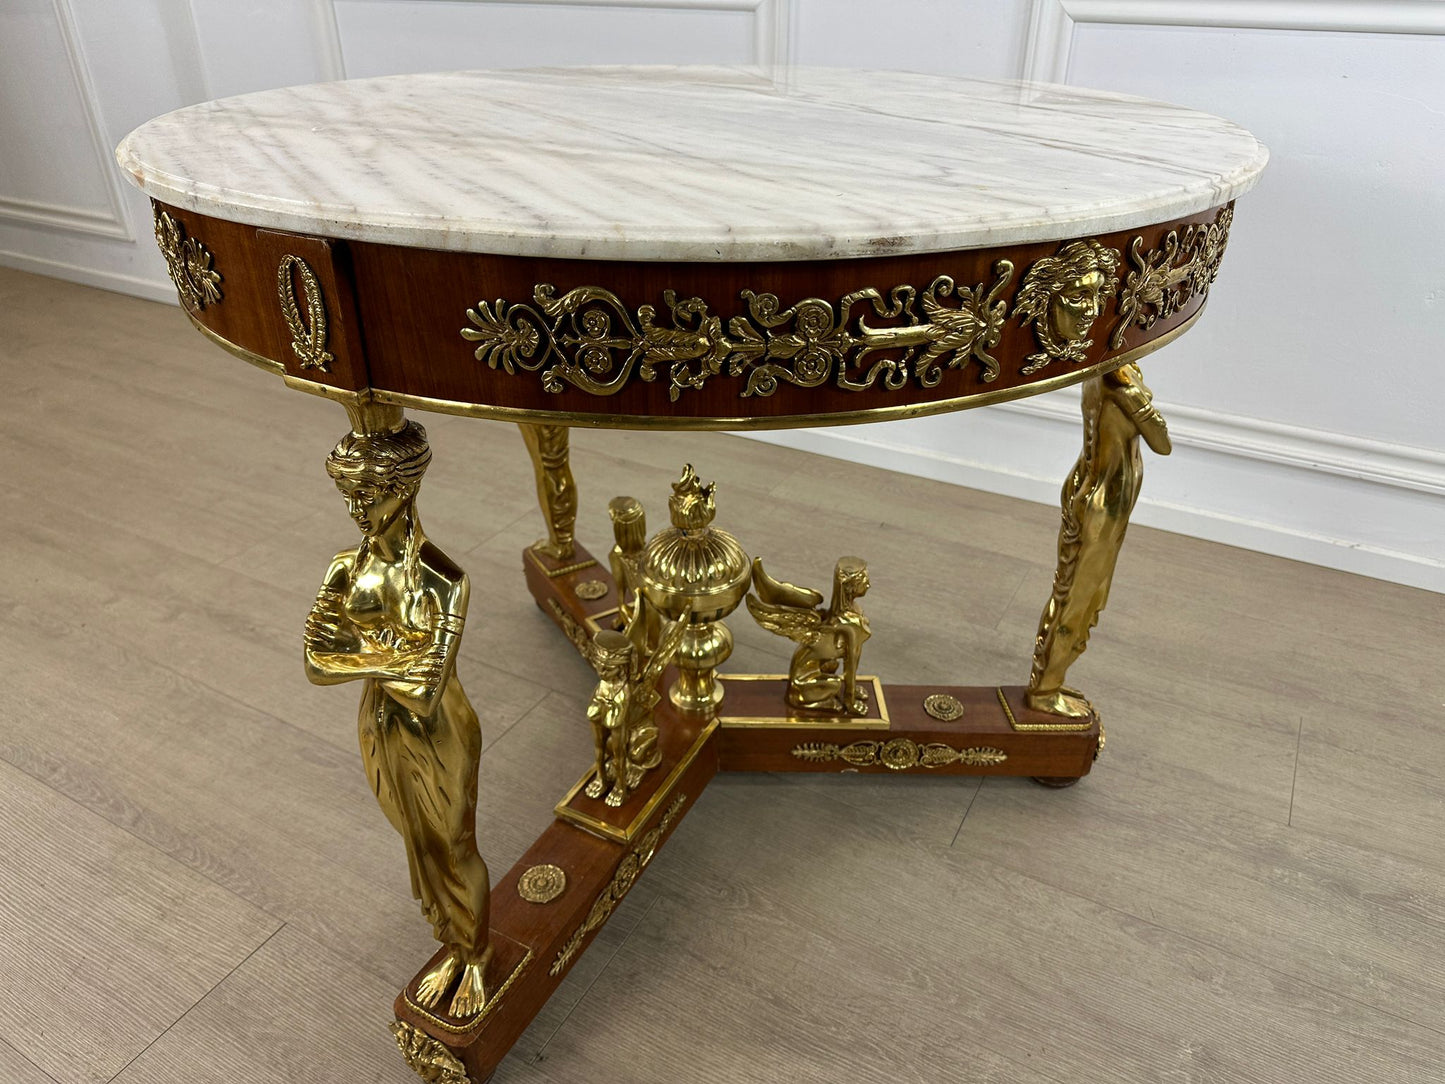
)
(691, 163)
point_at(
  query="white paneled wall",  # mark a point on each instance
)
(1306, 410)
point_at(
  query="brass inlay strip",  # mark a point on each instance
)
(475, 1021)
(625, 835)
(1057, 728)
(802, 722)
(679, 423)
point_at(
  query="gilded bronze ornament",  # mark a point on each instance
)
(590, 590)
(1096, 502)
(695, 573)
(823, 675)
(188, 262)
(943, 707)
(542, 883)
(550, 449)
(390, 614)
(621, 711)
(580, 637)
(1062, 296)
(588, 339)
(1166, 278)
(900, 754)
(428, 1059)
(308, 335)
(631, 866)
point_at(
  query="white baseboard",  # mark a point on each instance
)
(1419, 471)
(135, 285)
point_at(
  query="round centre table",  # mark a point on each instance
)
(680, 248)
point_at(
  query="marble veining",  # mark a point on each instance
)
(691, 163)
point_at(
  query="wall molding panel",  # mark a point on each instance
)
(113, 223)
(1052, 22)
(772, 25)
(1361, 459)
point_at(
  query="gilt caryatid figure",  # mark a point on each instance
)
(1097, 500)
(389, 614)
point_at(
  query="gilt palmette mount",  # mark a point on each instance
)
(587, 338)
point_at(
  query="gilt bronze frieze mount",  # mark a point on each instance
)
(697, 345)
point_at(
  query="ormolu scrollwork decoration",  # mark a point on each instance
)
(308, 334)
(628, 870)
(900, 754)
(1062, 296)
(695, 573)
(1166, 278)
(807, 344)
(549, 447)
(621, 708)
(823, 675)
(390, 614)
(586, 338)
(1097, 500)
(428, 1059)
(188, 262)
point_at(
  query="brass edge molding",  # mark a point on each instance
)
(229, 347)
(900, 754)
(1047, 728)
(628, 870)
(557, 573)
(474, 1022)
(600, 827)
(685, 424)
(799, 722)
(427, 1057)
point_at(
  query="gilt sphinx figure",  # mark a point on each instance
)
(1097, 500)
(390, 614)
(621, 710)
(823, 675)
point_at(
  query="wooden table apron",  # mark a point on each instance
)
(373, 323)
(394, 319)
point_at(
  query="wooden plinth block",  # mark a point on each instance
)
(994, 734)
(536, 943)
(577, 594)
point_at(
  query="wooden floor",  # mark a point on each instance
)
(196, 885)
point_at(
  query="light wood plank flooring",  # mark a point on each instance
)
(196, 884)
